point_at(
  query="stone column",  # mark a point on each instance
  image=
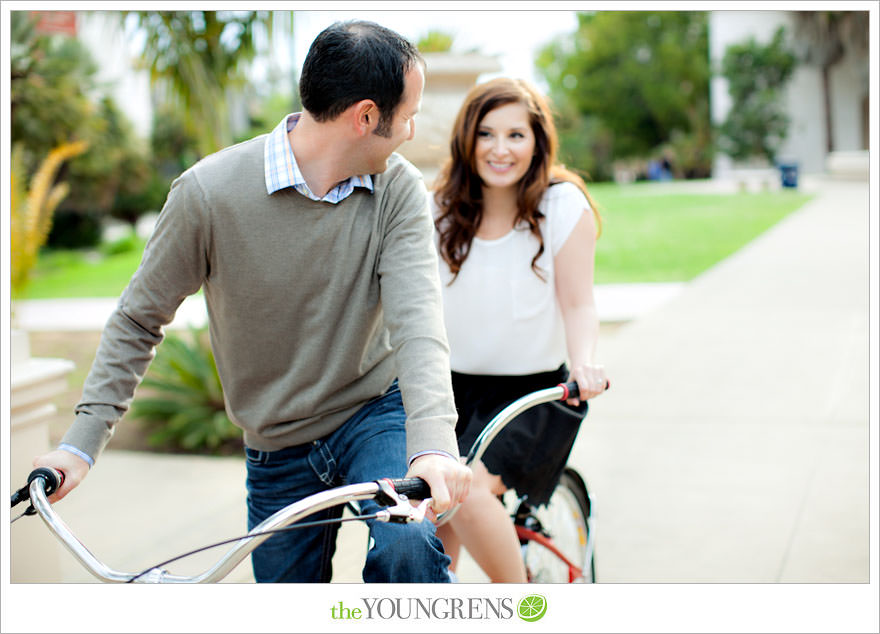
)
(34, 552)
(448, 78)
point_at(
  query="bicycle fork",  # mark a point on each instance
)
(526, 534)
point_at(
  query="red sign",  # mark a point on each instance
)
(56, 22)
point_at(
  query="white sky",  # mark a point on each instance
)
(514, 36)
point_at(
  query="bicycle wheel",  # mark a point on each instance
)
(564, 524)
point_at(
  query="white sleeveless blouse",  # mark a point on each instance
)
(501, 318)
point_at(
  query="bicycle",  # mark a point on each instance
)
(393, 494)
(556, 540)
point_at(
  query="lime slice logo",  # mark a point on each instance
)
(532, 607)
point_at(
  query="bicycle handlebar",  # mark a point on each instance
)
(561, 392)
(54, 478)
(571, 389)
(392, 493)
(52, 481)
(412, 488)
(395, 493)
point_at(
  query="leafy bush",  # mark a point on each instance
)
(55, 98)
(126, 244)
(33, 205)
(74, 230)
(757, 124)
(186, 411)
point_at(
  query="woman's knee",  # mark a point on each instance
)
(483, 480)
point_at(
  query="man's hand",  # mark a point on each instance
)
(73, 467)
(448, 478)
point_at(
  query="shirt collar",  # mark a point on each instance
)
(282, 171)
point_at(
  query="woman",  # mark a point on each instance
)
(516, 234)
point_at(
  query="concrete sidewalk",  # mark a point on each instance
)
(615, 302)
(733, 446)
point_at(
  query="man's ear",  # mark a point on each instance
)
(365, 116)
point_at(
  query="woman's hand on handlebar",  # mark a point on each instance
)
(448, 478)
(73, 467)
(591, 380)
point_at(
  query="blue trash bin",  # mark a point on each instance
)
(789, 174)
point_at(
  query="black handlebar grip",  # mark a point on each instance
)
(570, 389)
(53, 478)
(413, 488)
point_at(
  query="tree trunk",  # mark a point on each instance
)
(826, 94)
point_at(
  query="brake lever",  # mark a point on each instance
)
(402, 512)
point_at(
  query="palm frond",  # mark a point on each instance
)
(185, 407)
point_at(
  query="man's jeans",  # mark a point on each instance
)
(371, 445)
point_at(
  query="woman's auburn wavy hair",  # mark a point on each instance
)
(459, 189)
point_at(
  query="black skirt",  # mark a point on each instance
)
(530, 453)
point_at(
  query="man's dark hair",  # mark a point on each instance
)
(355, 60)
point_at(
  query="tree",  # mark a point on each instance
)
(635, 78)
(50, 80)
(756, 124)
(196, 58)
(827, 36)
(435, 41)
(55, 100)
(173, 147)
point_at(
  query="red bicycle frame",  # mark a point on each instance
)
(523, 533)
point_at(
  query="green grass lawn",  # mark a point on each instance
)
(647, 236)
(673, 237)
(62, 273)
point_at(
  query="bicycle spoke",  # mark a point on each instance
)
(563, 524)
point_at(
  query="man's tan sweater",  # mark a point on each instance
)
(314, 308)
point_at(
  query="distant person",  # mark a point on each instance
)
(516, 234)
(660, 169)
(313, 245)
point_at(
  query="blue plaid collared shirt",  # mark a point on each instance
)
(282, 171)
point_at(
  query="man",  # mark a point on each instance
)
(314, 247)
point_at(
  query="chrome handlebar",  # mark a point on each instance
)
(400, 510)
(499, 422)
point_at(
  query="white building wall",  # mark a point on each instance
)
(804, 104)
(805, 143)
(849, 81)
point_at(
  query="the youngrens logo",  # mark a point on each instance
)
(529, 608)
(532, 607)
